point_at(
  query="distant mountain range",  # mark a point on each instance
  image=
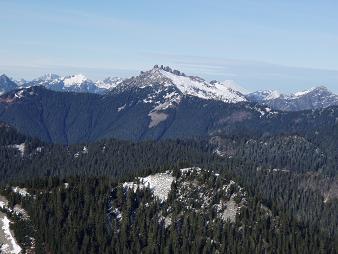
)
(314, 98)
(157, 104)
(169, 85)
(74, 83)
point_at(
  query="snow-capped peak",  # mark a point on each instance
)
(186, 85)
(74, 80)
(108, 83)
(264, 95)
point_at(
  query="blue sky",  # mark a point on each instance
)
(284, 45)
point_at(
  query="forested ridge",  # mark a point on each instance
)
(291, 207)
(71, 118)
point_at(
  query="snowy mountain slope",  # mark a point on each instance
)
(75, 80)
(174, 84)
(163, 88)
(198, 87)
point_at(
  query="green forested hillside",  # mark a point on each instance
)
(75, 190)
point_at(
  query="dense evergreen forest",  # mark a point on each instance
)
(74, 192)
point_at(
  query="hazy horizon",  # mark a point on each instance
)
(286, 46)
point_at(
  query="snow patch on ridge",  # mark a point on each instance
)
(192, 193)
(10, 245)
(159, 184)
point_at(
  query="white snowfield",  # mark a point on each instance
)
(159, 184)
(8, 240)
(198, 87)
(7, 237)
(79, 79)
(9, 244)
